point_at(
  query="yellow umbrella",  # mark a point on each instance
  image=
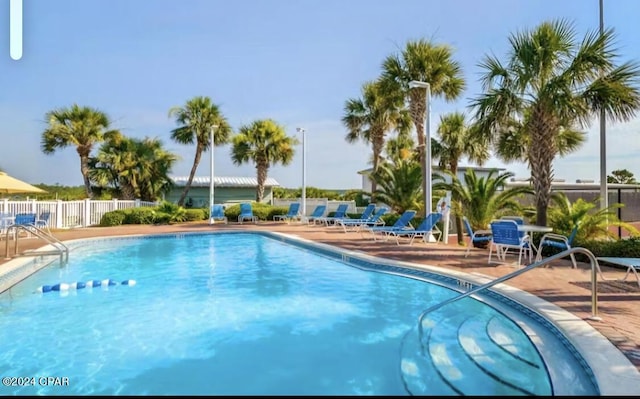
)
(11, 185)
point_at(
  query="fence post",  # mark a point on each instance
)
(5, 205)
(86, 220)
(59, 214)
(34, 206)
(114, 203)
(137, 203)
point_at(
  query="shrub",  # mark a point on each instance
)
(162, 218)
(194, 214)
(277, 210)
(177, 213)
(144, 215)
(113, 218)
(261, 211)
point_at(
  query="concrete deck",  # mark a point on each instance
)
(568, 288)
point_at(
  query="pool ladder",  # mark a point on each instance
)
(59, 247)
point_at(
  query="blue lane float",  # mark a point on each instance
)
(80, 284)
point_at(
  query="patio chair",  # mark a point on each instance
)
(42, 221)
(475, 237)
(217, 213)
(6, 220)
(357, 224)
(558, 241)
(401, 224)
(427, 226)
(316, 214)
(505, 236)
(340, 213)
(292, 213)
(246, 213)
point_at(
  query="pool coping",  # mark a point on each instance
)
(613, 372)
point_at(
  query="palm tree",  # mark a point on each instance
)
(428, 62)
(456, 141)
(399, 184)
(137, 168)
(593, 223)
(550, 84)
(82, 127)
(482, 199)
(369, 118)
(196, 119)
(265, 143)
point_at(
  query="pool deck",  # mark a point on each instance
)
(559, 284)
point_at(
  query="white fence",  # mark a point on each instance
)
(69, 214)
(313, 202)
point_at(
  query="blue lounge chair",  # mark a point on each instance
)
(427, 226)
(401, 224)
(316, 214)
(374, 220)
(246, 213)
(292, 213)
(479, 236)
(217, 213)
(340, 213)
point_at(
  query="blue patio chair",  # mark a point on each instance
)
(246, 213)
(427, 226)
(217, 213)
(292, 213)
(316, 214)
(558, 241)
(505, 236)
(401, 224)
(340, 213)
(356, 224)
(42, 221)
(475, 237)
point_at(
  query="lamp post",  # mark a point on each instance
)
(604, 192)
(211, 174)
(304, 176)
(427, 149)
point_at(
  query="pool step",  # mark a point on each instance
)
(501, 350)
(418, 372)
(479, 354)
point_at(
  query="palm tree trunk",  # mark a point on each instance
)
(458, 218)
(127, 191)
(84, 169)
(377, 144)
(262, 177)
(187, 187)
(417, 108)
(543, 131)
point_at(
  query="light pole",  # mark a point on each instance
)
(604, 192)
(211, 174)
(427, 149)
(304, 176)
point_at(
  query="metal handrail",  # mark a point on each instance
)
(61, 248)
(595, 268)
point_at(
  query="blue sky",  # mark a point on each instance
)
(296, 61)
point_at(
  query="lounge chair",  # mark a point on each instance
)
(558, 241)
(632, 265)
(246, 213)
(217, 213)
(401, 224)
(356, 224)
(506, 236)
(427, 226)
(292, 213)
(478, 236)
(340, 213)
(316, 214)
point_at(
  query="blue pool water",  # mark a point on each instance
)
(218, 314)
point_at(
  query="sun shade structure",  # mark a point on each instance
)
(11, 185)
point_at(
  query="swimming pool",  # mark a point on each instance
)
(236, 313)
